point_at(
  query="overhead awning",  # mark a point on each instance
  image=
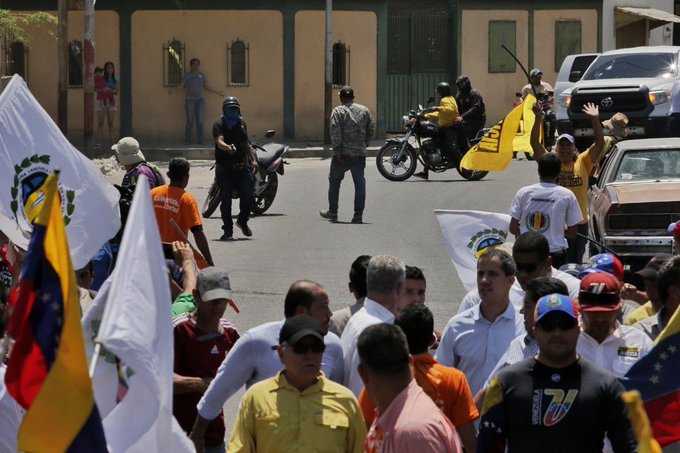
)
(628, 14)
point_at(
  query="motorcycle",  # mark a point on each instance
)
(270, 165)
(421, 143)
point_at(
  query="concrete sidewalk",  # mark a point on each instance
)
(161, 153)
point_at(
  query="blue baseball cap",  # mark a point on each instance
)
(608, 263)
(553, 303)
(572, 269)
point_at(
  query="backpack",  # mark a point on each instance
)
(160, 180)
(130, 178)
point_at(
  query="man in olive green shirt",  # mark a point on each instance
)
(298, 410)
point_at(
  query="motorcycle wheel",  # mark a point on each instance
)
(388, 164)
(212, 201)
(266, 198)
(471, 175)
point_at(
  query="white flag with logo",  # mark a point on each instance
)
(467, 235)
(32, 147)
(137, 328)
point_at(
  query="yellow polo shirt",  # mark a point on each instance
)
(644, 311)
(574, 176)
(447, 114)
(274, 417)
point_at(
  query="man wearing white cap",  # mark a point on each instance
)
(575, 170)
(131, 157)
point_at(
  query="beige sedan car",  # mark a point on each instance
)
(635, 198)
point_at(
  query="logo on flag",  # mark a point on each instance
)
(28, 196)
(482, 240)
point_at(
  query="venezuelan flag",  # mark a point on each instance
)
(47, 371)
(655, 376)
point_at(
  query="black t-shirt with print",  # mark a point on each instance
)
(238, 136)
(558, 410)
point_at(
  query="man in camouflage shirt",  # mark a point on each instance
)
(352, 127)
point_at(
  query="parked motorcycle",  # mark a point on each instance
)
(270, 165)
(398, 158)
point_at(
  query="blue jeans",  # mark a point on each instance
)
(243, 182)
(356, 165)
(195, 109)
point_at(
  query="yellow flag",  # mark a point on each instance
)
(641, 427)
(521, 143)
(494, 151)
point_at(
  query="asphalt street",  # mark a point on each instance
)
(292, 242)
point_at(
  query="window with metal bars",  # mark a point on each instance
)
(341, 59)
(75, 64)
(173, 63)
(237, 63)
(15, 58)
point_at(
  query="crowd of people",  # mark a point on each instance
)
(531, 362)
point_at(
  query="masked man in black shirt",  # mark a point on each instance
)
(555, 401)
(235, 164)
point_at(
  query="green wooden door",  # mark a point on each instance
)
(418, 58)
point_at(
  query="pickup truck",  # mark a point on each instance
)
(636, 81)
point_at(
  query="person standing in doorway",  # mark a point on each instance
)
(194, 103)
(352, 127)
(106, 96)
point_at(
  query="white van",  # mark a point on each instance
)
(572, 69)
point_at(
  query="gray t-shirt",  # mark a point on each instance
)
(194, 83)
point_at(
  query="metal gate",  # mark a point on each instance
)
(417, 59)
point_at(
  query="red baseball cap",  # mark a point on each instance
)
(600, 291)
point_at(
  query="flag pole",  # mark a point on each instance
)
(522, 67)
(95, 357)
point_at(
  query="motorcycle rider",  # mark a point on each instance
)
(235, 163)
(446, 114)
(542, 89)
(471, 104)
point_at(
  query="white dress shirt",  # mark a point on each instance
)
(371, 313)
(618, 352)
(252, 360)
(474, 345)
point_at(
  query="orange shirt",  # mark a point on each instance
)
(170, 202)
(446, 386)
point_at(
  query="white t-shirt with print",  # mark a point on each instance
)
(548, 209)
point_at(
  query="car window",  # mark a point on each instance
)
(649, 165)
(642, 65)
(579, 67)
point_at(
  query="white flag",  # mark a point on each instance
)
(32, 147)
(137, 328)
(105, 378)
(467, 235)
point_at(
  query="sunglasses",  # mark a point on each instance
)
(315, 348)
(528, 267)
(602, 299)
(561, 323)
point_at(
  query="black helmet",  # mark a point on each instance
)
(444, 89)
(230, 101)
(463, 83)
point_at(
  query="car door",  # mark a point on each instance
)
(599, 197)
